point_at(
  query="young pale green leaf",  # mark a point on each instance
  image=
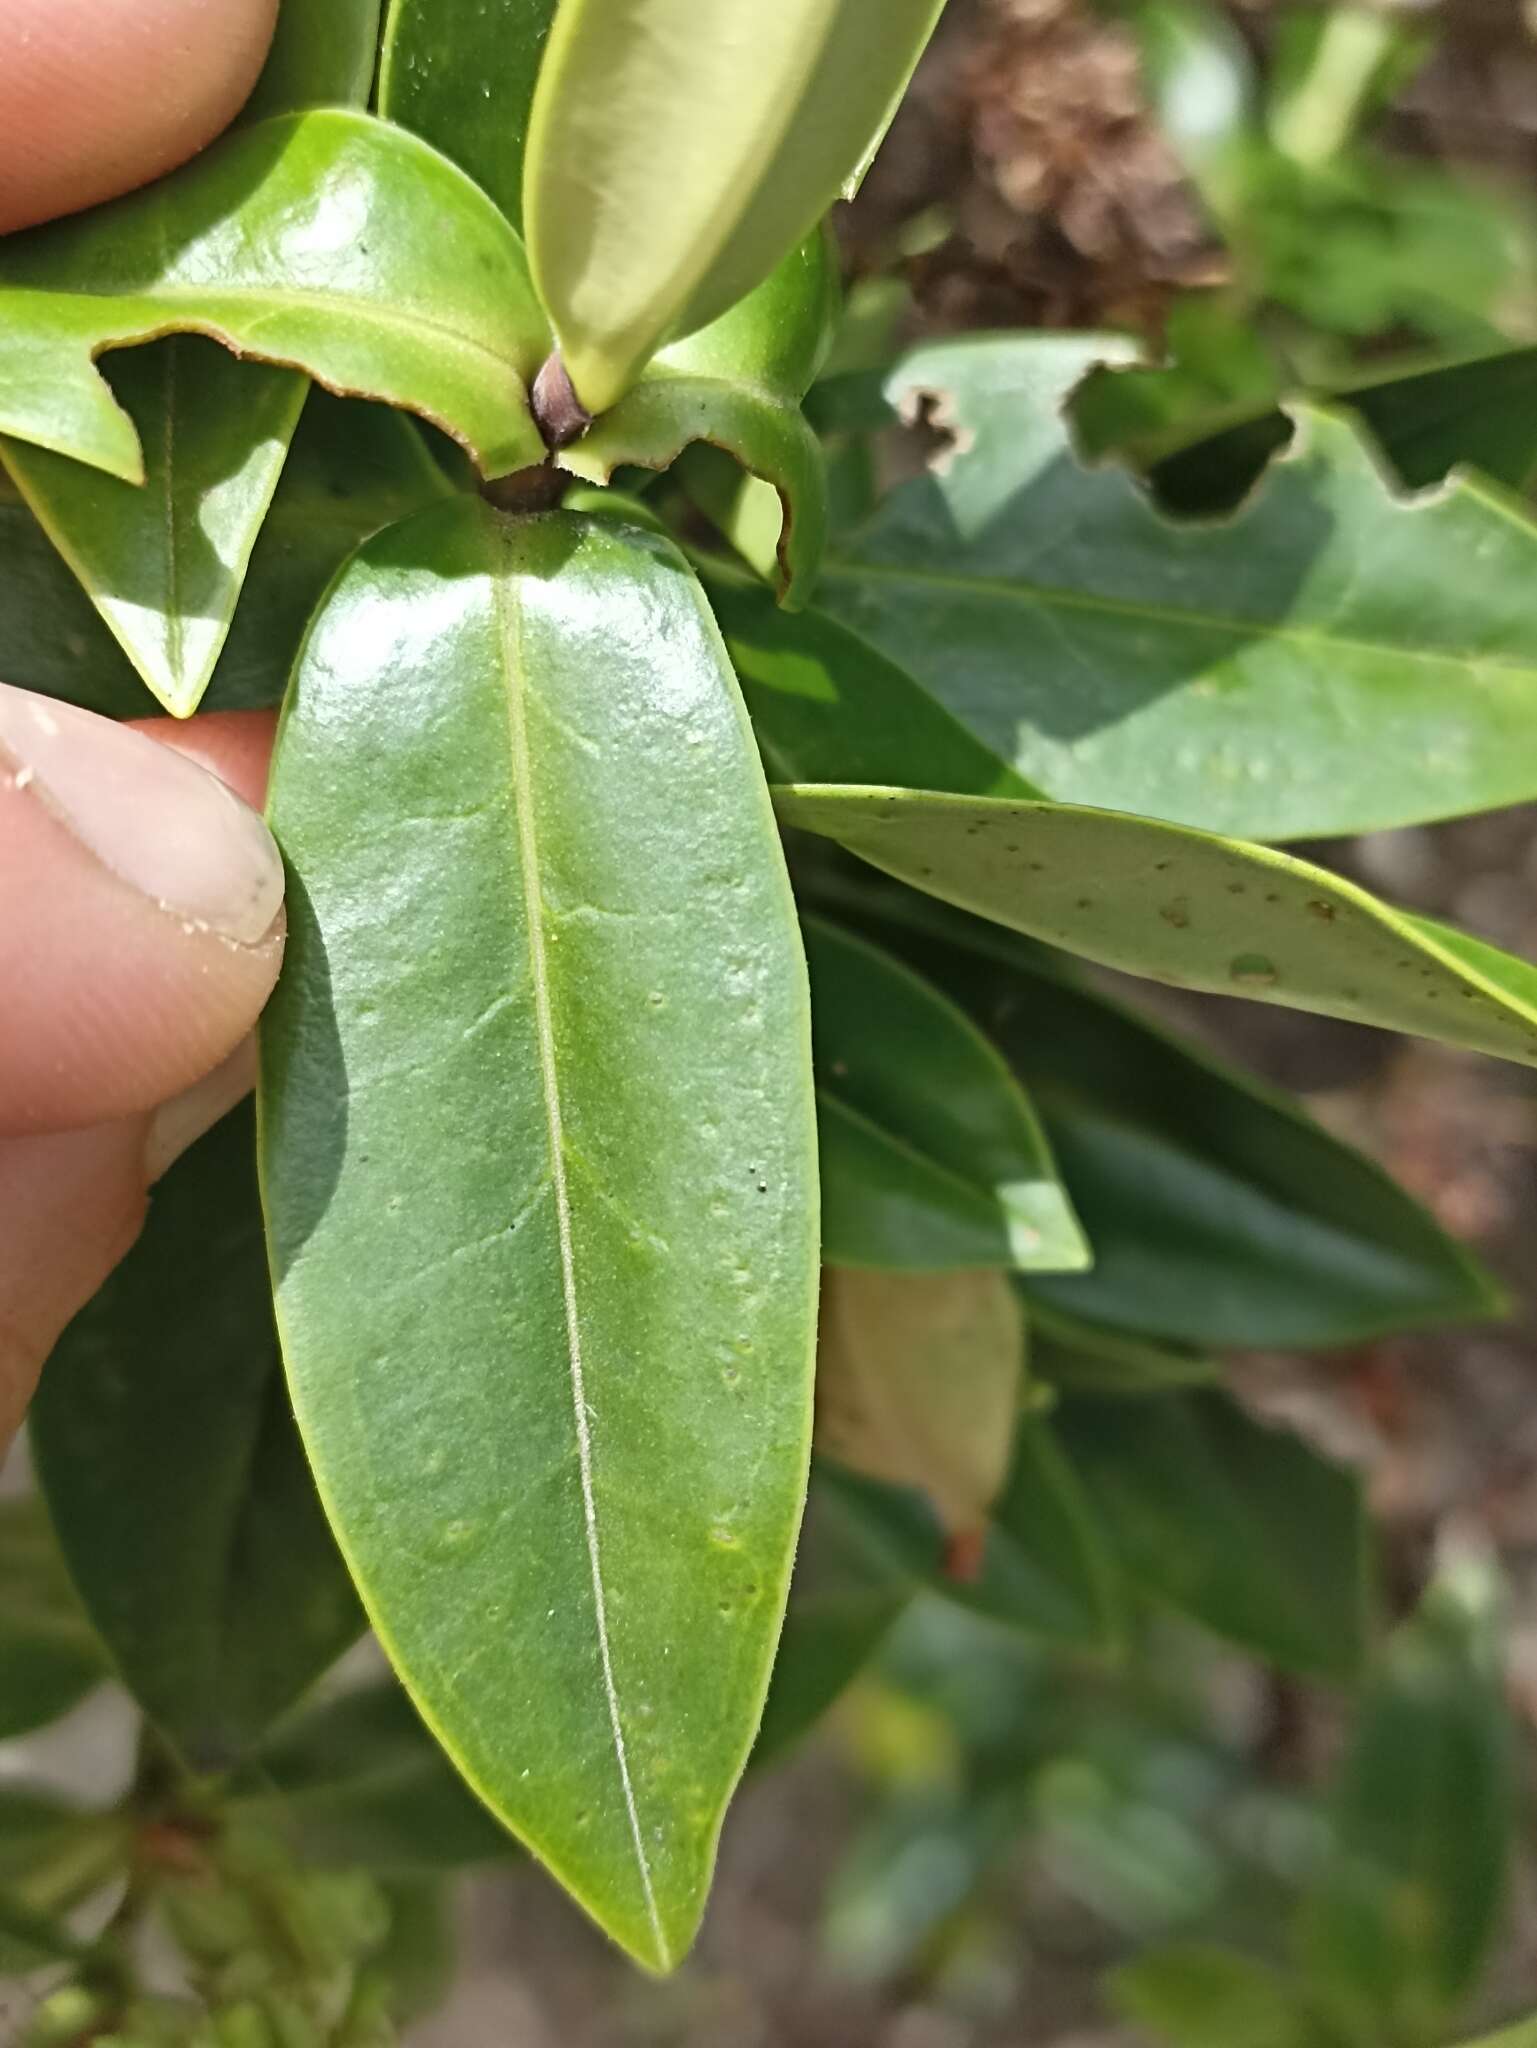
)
(1397, 1925)
(50, 1657)
(932, 1156)
(353, 468)
(918, 1384)
(327, 241)
(1193, 1996)
(461, 74)
(1333, 658)
(1044, 1567)
(1219, 1213)
(1076, 1357)
(322, 55)
(358, 1780)
(1522, 2035)
(1186, 908)
(164, 561)
(165, 1445)
(537, 1102)
(1240, 1526)
(768, 436)
(847, 1594)
(675, 158)
(777, 338)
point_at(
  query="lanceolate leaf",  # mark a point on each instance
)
(1333, 658)
(1186, 908)
(1403, 1914)
(163, 561)
(352, 469)
(674, 158)
(918, 1384)
(1240, 1526)
(327, 241)
(50, 1657)
(537, 1102)
(932, 1156)
(1219, 1213)
(322, 55)
(164, 1441)
(461, 73)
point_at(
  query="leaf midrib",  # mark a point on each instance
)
(1053, 596)
(509, 617)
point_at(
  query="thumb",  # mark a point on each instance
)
(141, 924)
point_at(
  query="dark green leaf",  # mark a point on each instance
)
(1399, 1922)
(1330, 659)
(1077, 1357)
(359, 1780)
(420, 1954)
(674, 159)
(49, 1655)
(164, 1440)
(322, 55)
(567, 1144)
(461, 73)
(1186, 908)
(1219, 1213)
(828, 708)
(1044, 1569)
(163, 561)
(768, 436)
(847, 1593)
(1240, 1526)
(328, 241)
(932, 1155)
(1198, 1997)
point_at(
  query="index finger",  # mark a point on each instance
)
(99, 96)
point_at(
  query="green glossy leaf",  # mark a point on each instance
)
(1219, 1213)
(50, 1657)
(828, 708)
(163, 561)
(1399, 1922)
(848, 1592)
(768, 436)
(674, 158)
(461, 73)
(918, 1384)
(777, 338)
(327, 241)
(569, 1144)
(932, 1155)
(353, 468)
(1186, 908)
(1240, 1526)
(1044, 1568)
(322, 55)
(1192, 1996)
(165, 1444)
(1331, 659)
(359, 1781)
(1076, 1357)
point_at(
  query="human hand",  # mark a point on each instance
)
(141, 922)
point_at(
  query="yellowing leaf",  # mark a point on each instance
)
(918, 1378)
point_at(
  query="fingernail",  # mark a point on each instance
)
(161, 823)
(177, 1125)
